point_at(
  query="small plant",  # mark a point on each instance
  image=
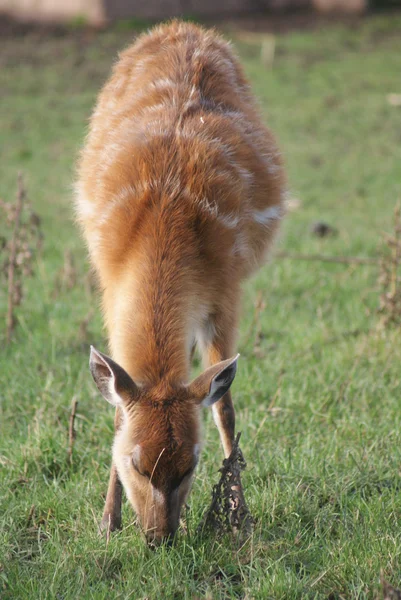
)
(67, 277)
(389, 276)
(228, 510)
(20, 239)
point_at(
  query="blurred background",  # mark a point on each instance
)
(98, 12)
(317, 394)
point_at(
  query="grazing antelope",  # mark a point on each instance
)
(180, 192)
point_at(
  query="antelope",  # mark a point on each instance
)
(180, 191)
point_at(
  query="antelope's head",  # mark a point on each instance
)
(156, 448)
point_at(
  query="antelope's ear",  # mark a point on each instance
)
(115, 385)
(214, 382)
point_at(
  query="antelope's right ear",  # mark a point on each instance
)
(115, 385)
(213, 383)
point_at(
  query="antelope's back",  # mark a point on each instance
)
(176, 135)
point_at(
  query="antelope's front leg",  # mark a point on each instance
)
(111, 519)
(224, 417)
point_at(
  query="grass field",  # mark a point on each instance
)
(318, 389)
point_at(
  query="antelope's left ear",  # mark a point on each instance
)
(209, 387)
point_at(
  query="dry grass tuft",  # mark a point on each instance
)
(67, 277)
(228, 510)
(389, 276)
(71, 429)
(20, 240)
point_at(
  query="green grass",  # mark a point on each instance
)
(323, 478)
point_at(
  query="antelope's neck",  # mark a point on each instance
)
(154, 309)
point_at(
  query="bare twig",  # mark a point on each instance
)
(276, 395)
(344, 260)
(260, 306)
(71, 430)
(31, 515)
(10, 318)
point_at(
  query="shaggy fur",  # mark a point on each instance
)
(180, 192)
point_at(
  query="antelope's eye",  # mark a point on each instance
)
(191, 469)
(187, 473)
(139, 471)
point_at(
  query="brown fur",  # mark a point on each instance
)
(176, 183)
